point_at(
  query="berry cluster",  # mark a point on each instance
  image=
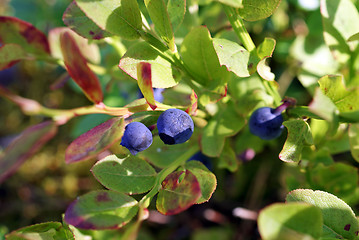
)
(174, 126)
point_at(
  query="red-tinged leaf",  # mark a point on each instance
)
(95, 141)
(10, 54)
(77, 20)
(178, 195)
(101, 210)
(78, 69)
(25, 146)
(14, 30)
(192, 109)
(144, 81)
(90, 51)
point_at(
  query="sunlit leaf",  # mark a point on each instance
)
(122, 17)
(24, 146)
(339, 220)
(290, 221)
(177, 195)
(299, 135)
(254, 10)
(354, 140)
(233, 56)
(95, 141)
(163, 74)
(101, 210)
(339, 22)
(131, 175)
(233, 3)
(77, 21)
(176, 11)
(200, 57)
(78, 69)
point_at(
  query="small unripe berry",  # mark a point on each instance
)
(136, 138)
(174, 126)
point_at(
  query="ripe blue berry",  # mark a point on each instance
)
(174, 126)
(199, 156)
(266, 123)
(136, 138)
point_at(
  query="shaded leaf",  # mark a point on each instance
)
(354, 140)
(206, 179)
(24, 34)
(176, 11)
(157, 10)
(233, 56)
(101, 210)
(254, 10)
(122, 17)
(25, 146)
(77, 21)
(266, 48)
(177, 195)
(163, 75)
(42, 231)
(338, 218)
(78, 69)
(89, 50)
(299, 135)
(10, 54)
(95, 141)
(144, 80)
(290, 221)
(227, 122)
(131, 175)
(199, 56)
(345, 99)
(338, 178)
(228, 159)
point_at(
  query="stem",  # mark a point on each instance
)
(145, 201)
(239, 28)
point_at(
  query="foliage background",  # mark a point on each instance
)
(44, 186)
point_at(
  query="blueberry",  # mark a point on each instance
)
(266, 123)
(174, 126)
(157, 94)
(136, 138)
(199, 156)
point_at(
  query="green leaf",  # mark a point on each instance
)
(95, 141)
(78, 69)
(354, 140)
(199, 56)
(339, 21)
(233, 56)
(254, 10)
(77, 21)
(25, 146)
(266, 48)
(10, 54)
(338, 218)
(345, 99)
(298, 221)
(353, 37)
(101, 210)
(120, 17)
(131, 175)
(163, 74)
(176, 11)
(206, 179)
(157, 10)
(228, 159)
(227, 122)
(42, 231)
(16, 31)
(233, 3)
(299, 135)
(339, 179)
(178, 195)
